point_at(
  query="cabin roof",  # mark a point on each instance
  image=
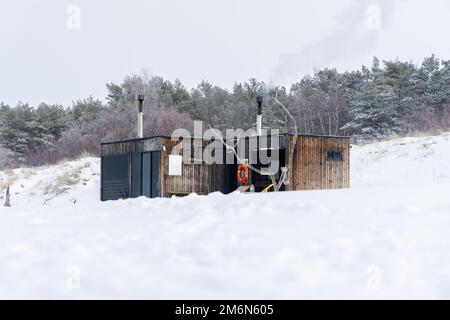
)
(168, 137)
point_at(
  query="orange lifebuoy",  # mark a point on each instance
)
(242, 173)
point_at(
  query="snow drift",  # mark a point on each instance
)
(386, 237)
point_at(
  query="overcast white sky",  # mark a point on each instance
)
(42, 59)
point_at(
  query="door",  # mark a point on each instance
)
(114, 177)
(151, 174)
(136, 175)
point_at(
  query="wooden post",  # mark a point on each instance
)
(7, 200)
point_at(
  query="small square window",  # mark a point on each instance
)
(334, 155)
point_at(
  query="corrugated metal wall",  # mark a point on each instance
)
(114, 177)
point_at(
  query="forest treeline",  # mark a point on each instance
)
(388, 98)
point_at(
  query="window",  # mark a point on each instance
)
(334, 155)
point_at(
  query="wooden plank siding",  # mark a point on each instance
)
(199, 177)
(312, 170)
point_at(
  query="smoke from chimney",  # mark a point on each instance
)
(351, 35)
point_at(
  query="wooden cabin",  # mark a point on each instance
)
(146, 167)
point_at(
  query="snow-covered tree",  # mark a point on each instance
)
(373, 113)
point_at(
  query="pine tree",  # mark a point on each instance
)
(373, 113)
(53, 119)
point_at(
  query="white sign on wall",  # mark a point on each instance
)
(175, 165)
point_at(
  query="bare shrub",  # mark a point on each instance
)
(7, 158)
(121, 123)
(427, 121)
(71, 145)
(114, 124)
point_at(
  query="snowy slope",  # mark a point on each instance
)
(386, 237)
(62, 184)
(407, 161)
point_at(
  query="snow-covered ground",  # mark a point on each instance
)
(386, 237)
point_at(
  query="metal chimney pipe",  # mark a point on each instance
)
(141, 116)
(259, 101)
